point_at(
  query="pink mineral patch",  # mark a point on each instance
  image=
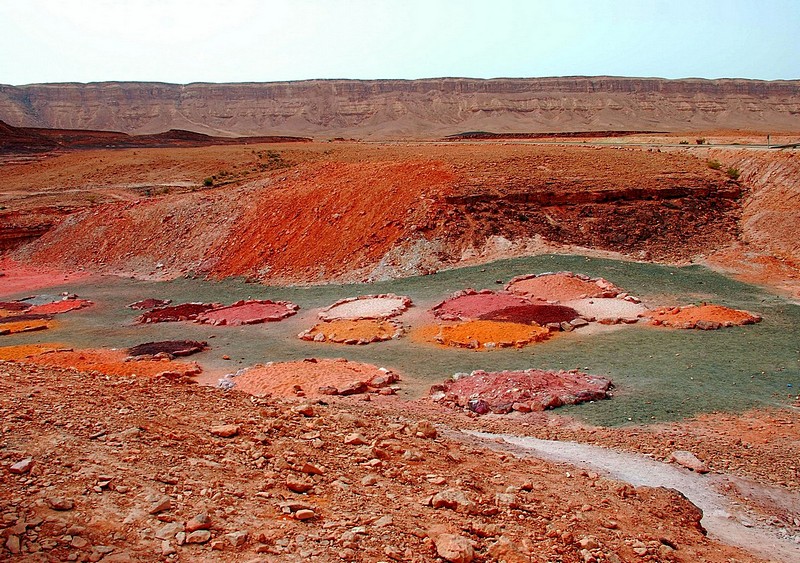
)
(561, 286)
(470, 304)
(528, 390)
(249, 312)
(63, 306)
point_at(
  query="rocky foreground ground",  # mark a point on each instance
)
(99, 468)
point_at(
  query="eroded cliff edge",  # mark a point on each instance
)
(408, 108)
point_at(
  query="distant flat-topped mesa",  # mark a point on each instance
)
(426, 108)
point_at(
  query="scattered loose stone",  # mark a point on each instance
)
(22, 466)
(455, 549)
(198, 522)
(198, 536)
(304, 514)
(160, 505)
(61, 504)
(355, 439)
(688, 460)
(225, 430)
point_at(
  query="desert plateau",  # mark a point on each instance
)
(510, 320)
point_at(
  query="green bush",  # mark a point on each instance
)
(715, 164)
(208, 182)
(733, 173)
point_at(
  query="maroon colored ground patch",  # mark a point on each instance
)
(183, 312)
(542, 314)
(150, 303)
(528, 390)
(470, 304)
(249, 312)
(14, 306)
(172, 348)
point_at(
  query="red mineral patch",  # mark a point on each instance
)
(57, 307)
(561, 286)
(470, 304)
(703, 317)
(183, 312)
(528, 390)
(314, 378)
(249, 312)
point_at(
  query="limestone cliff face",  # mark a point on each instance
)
(408, 108)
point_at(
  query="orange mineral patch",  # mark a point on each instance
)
(112, 362)
(484, 335)
(13, 353)
(362, 331)
(31, 325)
(704, 317)
(312, 378)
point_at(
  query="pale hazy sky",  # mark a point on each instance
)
(261, 40)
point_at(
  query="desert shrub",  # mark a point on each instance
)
(684, 143)
(733, 173)
(715, 164)
(208, 182)
(700, 141)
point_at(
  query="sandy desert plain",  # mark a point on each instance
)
(556, 349)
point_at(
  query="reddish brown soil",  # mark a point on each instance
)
(14, 306)
(168, 347)
(308, 378)
(112, 362)
(535, 313)
(345, 211)
(701, 316)
(482, 335)
(248, 313)
(563, 286)
(57, 307)
(84, 431)
(173, 313)
(525, 391)
(362, 331)
(18, 277)
(469, 304)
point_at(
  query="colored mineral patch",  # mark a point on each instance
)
(174, 313)
(561, 286)
(312, 378)
(170, 348)
(24, 323)
(470, 304)
(608, 310)
(539, 313)
(524, 391)
(703, 317)
(484, 335)
(22, 351)
(13, 306)
(366, 307)
(114, 362)
(248, 312)
(58, 307)
(149, 303)
(362, 331)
